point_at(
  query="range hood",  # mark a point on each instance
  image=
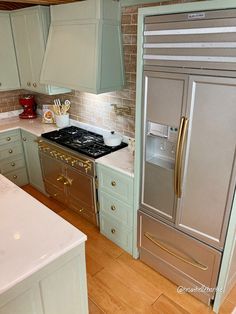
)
(84, 48)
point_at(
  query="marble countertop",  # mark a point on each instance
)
(31, 235)
(34, 126)
(121, 160)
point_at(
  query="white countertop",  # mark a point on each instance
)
(121, 160)
(31, 235)
(34, 126)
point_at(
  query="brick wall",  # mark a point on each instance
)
(9, 100)
(97, 109)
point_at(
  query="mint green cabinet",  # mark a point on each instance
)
(9, 78)
(32, 160)
(115, 192)
(30, 30)
(84, 49)
(12, 161)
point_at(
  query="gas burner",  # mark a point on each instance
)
(81, 141)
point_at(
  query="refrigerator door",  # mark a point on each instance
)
(208, 179)
(163, 105)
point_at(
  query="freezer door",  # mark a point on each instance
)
(163, 105)
(208, 179)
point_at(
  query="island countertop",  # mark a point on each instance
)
(32, 235)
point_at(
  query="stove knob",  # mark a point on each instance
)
(62, 157)
(67, 159)
(52, 153)
(73, 162)
(45, 149)
(57, 154)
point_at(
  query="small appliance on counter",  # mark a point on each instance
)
(29, 106)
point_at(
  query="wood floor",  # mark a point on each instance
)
(119, 284)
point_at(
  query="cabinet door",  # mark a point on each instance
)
(32, 160)
(164, 101)
(209, 177)
(9, 78)
(21, 39)
(37, 48)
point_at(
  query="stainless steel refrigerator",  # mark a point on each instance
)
(188, 172)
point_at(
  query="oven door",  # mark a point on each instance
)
(53, 173)
(81, 193)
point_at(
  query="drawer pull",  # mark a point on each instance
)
(10, 151)
(15, 177)
(113, 230)
(24, 139)
(13, 164)
(113, 183)
(8, 138)
(187, 260)
(113, 207)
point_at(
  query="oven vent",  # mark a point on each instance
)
(203, 40)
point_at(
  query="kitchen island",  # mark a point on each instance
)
(42, 258)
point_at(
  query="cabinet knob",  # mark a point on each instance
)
(81, 210)
(113, 207)
(15, 177)
(10, 151)
(28, 84)
(8, 138)
(113, 230)
(24, 139)
(34, 84)
(113, 183)
(55, 194)
(13, 164)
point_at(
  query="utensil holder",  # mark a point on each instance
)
(62, 120)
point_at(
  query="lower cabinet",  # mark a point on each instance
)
(32, 160)
(12, 160)
(58, 288)
(115, 193)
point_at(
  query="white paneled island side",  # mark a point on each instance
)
(42, 258)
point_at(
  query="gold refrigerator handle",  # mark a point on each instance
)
(180, 159)
(185, 259)
(177, 155)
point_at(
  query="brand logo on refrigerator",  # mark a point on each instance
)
(195, 16)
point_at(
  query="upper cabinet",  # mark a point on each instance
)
(9, 78)
(30, 30)
(84, 49)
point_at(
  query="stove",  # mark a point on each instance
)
(68, 165)
(82, 141)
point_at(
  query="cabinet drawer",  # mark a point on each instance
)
(11, 164)
(116, 209)
(11, 150)
(168, 249)
(116, 233)
(116, 184)
(9, 137)
(19, 177)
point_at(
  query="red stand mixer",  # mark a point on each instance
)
(29, 106)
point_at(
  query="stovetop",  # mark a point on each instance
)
(82, 141)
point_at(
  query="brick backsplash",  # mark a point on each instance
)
(97, 109)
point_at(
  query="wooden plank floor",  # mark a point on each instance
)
(117, 283)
